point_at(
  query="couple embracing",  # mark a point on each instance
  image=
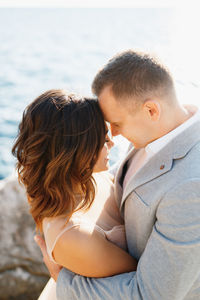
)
(135, 233)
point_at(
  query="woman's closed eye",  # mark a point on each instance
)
(109, 142)
(107, 139)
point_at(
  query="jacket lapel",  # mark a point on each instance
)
(162, 162)
(152, 169)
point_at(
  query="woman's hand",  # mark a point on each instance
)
(53, 268)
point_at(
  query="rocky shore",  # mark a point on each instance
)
(22, 272)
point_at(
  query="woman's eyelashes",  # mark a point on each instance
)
(107, 138)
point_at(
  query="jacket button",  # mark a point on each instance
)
(162, 167)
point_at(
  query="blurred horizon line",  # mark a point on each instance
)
(93, 3)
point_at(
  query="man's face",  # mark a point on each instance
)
(133, 125)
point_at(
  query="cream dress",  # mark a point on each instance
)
(103, 216)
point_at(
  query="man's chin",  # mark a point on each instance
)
(136, 145)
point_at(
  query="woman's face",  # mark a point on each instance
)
(102, 163)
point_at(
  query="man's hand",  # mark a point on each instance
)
(53, 268)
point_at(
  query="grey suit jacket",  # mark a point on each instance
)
(161, 210)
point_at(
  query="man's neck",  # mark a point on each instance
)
(173, 119)
(180, 116)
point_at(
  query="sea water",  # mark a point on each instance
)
(45, 48)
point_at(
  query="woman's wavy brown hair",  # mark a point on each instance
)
(59, 140)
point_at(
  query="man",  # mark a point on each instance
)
(157, 186)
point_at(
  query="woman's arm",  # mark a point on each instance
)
(88, 253)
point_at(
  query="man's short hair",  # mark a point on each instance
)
(134, 74)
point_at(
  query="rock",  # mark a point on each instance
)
(22, 272)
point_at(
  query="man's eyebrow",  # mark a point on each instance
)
(115, 123)
(105, 119)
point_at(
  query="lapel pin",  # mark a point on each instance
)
(162, 167)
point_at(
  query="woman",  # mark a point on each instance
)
(61, 147)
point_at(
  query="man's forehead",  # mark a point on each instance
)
(110, 112)
(110, 117)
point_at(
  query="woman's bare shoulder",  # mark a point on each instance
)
(76, 244)
(77, 233)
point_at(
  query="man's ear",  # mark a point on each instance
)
(152, 109)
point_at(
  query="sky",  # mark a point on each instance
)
(93, 3)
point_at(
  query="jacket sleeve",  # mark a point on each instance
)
(169, 266)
